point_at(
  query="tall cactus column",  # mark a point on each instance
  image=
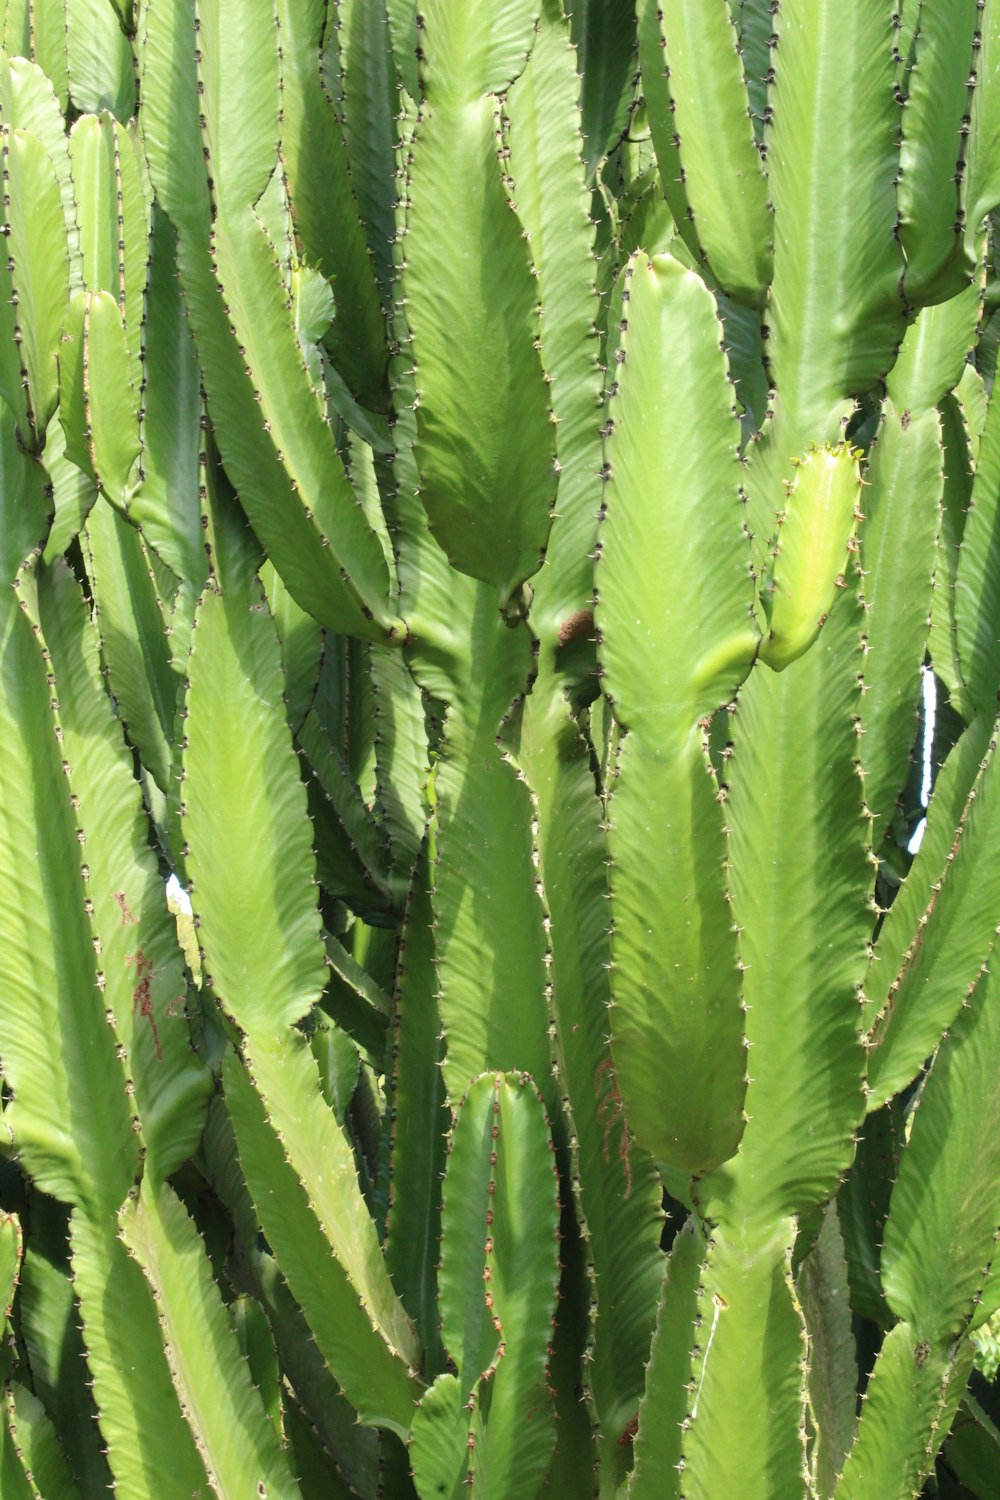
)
(794, 795)
(791, 873)
(677, 635)
(483, 450)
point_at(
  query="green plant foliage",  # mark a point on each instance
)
(481, 488)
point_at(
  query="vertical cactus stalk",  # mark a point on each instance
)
(486, 1427)
(801, 1024)
(898, 551)
(676, 637)
(933, 1276)
(483, 428)
(663, 1411)
(287, 1133)
(695, 93)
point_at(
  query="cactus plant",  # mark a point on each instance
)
(483, 486)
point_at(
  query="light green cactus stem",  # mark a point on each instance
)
(36, 279)
(360, 76)
(131, 620)
(663, 1409)
(125, 1354)
(164, 503)
(811, 551)
(280, 1139)
(30, 1430)
(977, 580)
(933, 1278)
(933, 154)
(498, 1276)
(238, 1443)
(99, 65)
(109, 187)
(502, 443)
(843, 87)
(903, 577)
(419, 1120)
(99, 406)
(672, 652)
(915, 994)
(484, 807)
(961, 431)
(800, 1022)
(695, 92)
(82, 1149)
(144, 981)
(359, 1328)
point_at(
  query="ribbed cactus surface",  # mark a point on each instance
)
(500, 517)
